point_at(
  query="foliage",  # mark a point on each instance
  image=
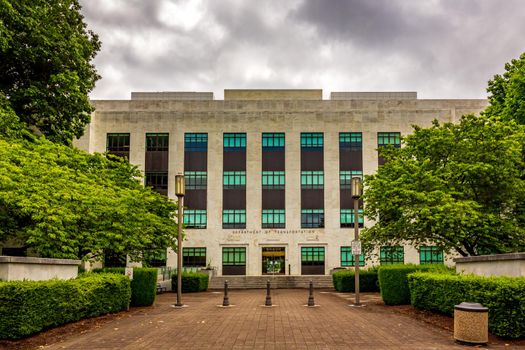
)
(143, 285)
(503, 296)
(507, 92)
(66, 203)
(45, 65)
(191, 282)
(393, 281)
(344, 281)
(457, 186)
(27, 307)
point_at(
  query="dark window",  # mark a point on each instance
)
(157, 142)
(113, 259)
(195, 142)
(193, 257)
(312, 179)
(273, 218)
(118, 144)
(273, 141)
(347, 217)
(234, 179)
(234, 218)
(155, 258)
(351, 141)
(345, 178)
(392, 255)
(158, 181)
(195, 218)
(312, 141)
(347, 259)
(312, 255)
(234, 256)
(234, 141)
(14, 251)
(430, 255)
(312, 218)
(196, 180)
(273, 180)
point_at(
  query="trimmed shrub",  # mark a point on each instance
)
(191, 282)
(143, 285)
(27, 307)
(393, 281)
(504, 297)
(344, 281)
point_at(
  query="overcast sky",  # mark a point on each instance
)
(439, 48)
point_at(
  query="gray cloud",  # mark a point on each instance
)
(440, 48)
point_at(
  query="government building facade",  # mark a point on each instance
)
(267, 171)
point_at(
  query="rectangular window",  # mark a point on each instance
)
(196, 180)
(117, 142)
(195, 218)
(195, 142)
(158, 181)
(389, 138)
(234, 218)
(234, 256)
(430, 255)
(312, 140)
(312, 218)
(273, 141)
(352, 141)
(273, 218)
(392, 255)
(193, 257)
(155, 258)
(347, 259)
(312, 179)
(157, 142)
(273, 180)
(234, 141)
(345, 178)
(312, 255)
(234, 179)
(347, 217)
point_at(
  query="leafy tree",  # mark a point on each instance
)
(458, 186)
(507, 92)
(45, 65)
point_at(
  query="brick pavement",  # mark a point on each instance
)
(248, 325)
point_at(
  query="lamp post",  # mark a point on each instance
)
(180, 190)
(357, 192)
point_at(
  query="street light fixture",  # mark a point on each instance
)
(180, 191)
(357, 192)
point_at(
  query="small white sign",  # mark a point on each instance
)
(129, 272)
(356, 247)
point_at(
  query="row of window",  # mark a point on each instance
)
(271, 218)
(236, 256)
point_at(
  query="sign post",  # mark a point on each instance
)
(357, 192)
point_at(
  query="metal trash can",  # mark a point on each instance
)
(471, 323)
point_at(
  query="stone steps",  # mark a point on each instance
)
(259, 282)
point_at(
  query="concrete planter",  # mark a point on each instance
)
(492, 265)
(13, 268)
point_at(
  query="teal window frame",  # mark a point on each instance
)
(234, 141)
(193, 256)
(234, 256)
(273, 218)
(312, 179)
(195, 218)
(347, 259)
(389, 138)
(233, 218)
(273, 141)
(157, 142)
(312, 218)
(346, 218)
(234, 179)
(117, 142)
(313, 255)
(196, 180)
(273, 180)
(345, 178)
(312, 140)
(352, 141)
(195, 142)
(431, 255)
(389, 255)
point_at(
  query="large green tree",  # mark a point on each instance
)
(457, 186)
(45, 65)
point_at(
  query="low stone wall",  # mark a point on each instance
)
(14, 268)
(493, 265)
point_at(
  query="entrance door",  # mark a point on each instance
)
(273, 261)
(312, 261)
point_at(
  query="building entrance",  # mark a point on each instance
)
(273, 261)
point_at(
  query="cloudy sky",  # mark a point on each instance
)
(439, 48)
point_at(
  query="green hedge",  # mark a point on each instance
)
(191, 282)
(27, 307)
(504, 297)
(393, 281)
(344, 281)
(143, 285)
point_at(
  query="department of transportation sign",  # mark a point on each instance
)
(356, 247)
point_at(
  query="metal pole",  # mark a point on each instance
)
(226, 301)
(356, 257)
(311, 301)
(179, 253)
(268, 297)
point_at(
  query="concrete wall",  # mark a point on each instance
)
(493, 265)
(13, 268)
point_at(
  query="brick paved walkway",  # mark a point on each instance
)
(247, 325)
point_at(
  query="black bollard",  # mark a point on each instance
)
(226, 301)
(311, 301)
(268, 297)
